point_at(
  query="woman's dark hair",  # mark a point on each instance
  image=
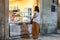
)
(36, 8)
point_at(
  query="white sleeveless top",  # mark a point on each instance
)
(37, 19)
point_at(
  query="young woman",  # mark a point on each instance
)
(36, 23)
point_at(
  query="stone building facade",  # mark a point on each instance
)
(48, 18)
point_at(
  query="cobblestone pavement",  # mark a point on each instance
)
(46, 37)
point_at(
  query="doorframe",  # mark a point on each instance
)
(6, 26)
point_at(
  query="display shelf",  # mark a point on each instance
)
(20, 17)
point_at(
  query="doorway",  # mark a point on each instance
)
(58, 11)
(58, 18)
(20, 11)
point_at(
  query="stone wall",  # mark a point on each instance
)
(49, 19)
(1, 18)
(4, 29)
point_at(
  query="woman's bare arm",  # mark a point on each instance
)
(34, 16)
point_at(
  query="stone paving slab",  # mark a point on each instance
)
(45, 38)
(48, 37)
